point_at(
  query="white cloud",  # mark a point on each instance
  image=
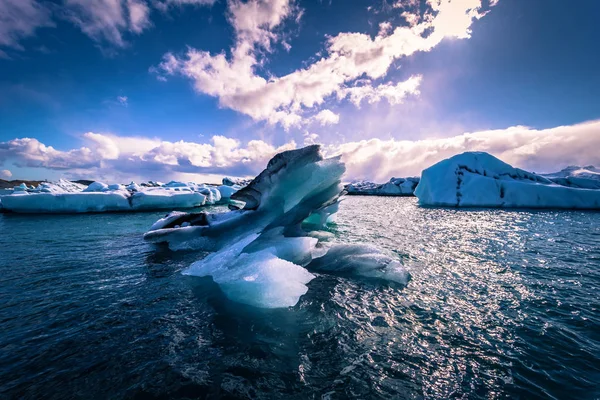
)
(544, 150)
(310, 138)
(122, 100)
(19, 19)
(394, 94)
(5, 174)
(109, 21)
(327, 117)
(121, 155)
(350, 56)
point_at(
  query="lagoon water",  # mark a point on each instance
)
(501, 304)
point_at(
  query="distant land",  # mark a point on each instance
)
(11, 184)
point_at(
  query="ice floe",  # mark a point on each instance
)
(476, 179)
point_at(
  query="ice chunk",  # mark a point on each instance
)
(227, 191)
(260, 249)
(236, 182)
(395, 187)
(133, 187)
(96, 187)
(476, 179)
(294, 184)
(60, 186)
(159, 199)
(363, 260)
(115, 186)
(259, 278)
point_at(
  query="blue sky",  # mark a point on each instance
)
(139, 89)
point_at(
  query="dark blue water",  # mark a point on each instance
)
(501, 305)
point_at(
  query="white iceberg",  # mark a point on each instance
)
(236, 181)
(475, 179)
(96, 187)
(578, 177)
(395, 187)
(65, 202)
(60, 186)
(260, 250)
(227, 191)
(52, 199)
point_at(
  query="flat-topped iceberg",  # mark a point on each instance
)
(475, 179)
(106, 201)
(260, 249)
(69, 197)
(395, 187)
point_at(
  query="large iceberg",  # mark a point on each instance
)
(260, 249)
(577, 177)
(475, 179)
(395, 187)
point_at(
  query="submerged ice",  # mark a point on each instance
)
(476, 179)
(260, 250)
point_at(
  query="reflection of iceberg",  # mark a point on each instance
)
(260, 250)
(482, 180)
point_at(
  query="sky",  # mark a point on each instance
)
(121, 90)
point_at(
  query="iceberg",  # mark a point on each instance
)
(60, 186)
(395, 187)
(60, 198)
(260, 252)
(236, 182)
(477, 179)
(577, 177)
(227, 191)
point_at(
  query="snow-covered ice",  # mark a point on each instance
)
(260, 250)
(475, 179)
(395, 187)
(577, 177)
(68, 197)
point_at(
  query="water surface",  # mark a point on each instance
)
(501, 304)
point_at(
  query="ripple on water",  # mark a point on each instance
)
(500, 304)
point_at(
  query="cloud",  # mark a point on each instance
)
(122, 100)
(5, 174)
(108, 21)
(20, 19)
(536, 150)
(234, 80)
(327, 117)
(394, 94)
(139, 156)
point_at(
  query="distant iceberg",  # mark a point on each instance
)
(577, 177)
(395, 187)
(260, 249)
(68, 197)
(475, 179)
